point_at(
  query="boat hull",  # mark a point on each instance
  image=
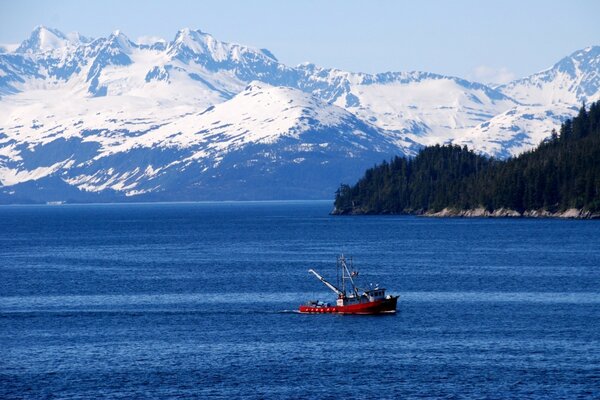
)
(387, 305)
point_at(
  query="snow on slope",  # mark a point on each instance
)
(571, 81)
(112, 114)
(261, 115)
(427, 108)
(115, 66)
(549, 97)
(516, 130)
(432, 110)
(44, 39)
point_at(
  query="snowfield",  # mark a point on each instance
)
(195, 118)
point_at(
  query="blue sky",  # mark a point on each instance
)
(488, 42)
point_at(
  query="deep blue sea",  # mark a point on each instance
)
(196, 301)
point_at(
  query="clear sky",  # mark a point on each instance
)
(489, 41)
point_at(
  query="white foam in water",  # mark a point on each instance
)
(133, 301)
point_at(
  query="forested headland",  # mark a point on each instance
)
(561, 177)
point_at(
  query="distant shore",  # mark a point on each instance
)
(571, 213)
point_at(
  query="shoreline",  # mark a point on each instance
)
(571, 213)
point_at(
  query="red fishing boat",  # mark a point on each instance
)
(355, 300)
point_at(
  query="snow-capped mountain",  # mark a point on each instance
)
(266, 142)
(547, 98)
(571, 81)
(427, 108)
(44, 40)
(196, 118)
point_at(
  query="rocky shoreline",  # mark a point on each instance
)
(571, 213)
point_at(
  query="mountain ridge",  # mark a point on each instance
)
(115, 92)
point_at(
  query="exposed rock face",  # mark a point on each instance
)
(480, 212)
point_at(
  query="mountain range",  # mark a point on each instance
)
(195, 118)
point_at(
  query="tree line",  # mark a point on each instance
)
(562, 172)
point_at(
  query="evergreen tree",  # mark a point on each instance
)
(563, 172)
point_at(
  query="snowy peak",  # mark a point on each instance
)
(117, 40)
(264, 113)
(587, 75)
(205, 49)
(267, 140)
(429, 108)
(580, 62)
(572, 80)
(189, 44)
(547, 99)
(77, 38)
(208, 116)
(43, 39)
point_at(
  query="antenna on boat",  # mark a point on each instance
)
(346, 274)
(337, 272)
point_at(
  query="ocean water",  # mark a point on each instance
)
(197, 301)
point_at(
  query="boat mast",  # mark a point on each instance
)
(347, 275)
(337, 275)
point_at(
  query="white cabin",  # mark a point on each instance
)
(375, 294)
